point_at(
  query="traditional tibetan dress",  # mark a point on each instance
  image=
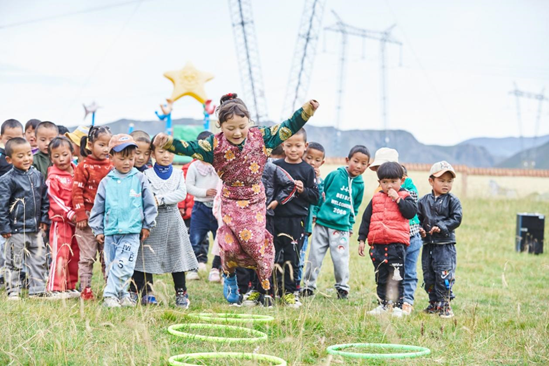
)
(243, 238)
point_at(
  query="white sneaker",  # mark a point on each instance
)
(397, 312)
(407, 309)
(127, 302)
(72, 294)
(14, 297)
(202, 266)
(192, 276)
(56, 295)
(111, 302)
(214, 275)
(381, 309)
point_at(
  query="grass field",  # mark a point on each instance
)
(502, 312)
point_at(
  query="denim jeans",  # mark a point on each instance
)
(202, 222)
(302, 259)
(120, 255)
(410, 268)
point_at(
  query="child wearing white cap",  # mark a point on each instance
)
(439, 213)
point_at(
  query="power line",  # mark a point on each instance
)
(52, 17)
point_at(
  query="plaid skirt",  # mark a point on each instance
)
(168, 248)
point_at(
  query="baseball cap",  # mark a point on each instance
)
(384, 155)
(120, 142)
(438, 169)
(76, 135)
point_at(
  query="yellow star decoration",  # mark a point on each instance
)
(189, 81)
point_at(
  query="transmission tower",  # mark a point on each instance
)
(248, 58)
(383, 37)
(304, 55)
(528, 162)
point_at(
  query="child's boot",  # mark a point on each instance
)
(182, 299)
(230, 288)
(87, 294)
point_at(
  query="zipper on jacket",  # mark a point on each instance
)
(33, 200)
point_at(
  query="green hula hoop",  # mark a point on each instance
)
(259, 336)
(178, 359)
(232, 318)
(419, 351)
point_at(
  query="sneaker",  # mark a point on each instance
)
(342, 294)
(14, 297)
(56, 295)
(381, 309)
(201, 266)
(307, 292)
(397, 312)
(230, 289)
(182, 299)
(431, 309)
(446, 312)
(407, 309)
(192, 276)
(266, 300)
(238, 303)
(297, 300)
(148, 300)
(134, 297)
(72, 294)
(39, 296)
(87, 294)
(127, 302)
(111, 302)
(214, 275)
(289, 301)
(252, 299)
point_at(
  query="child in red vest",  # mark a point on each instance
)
(386, 225)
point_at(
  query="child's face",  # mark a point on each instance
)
(294, 148)
(314, 158)
(21, 157)
(30, 136)
(11, 132)
(236, 129)
(100, 147)
(388, 183)
(61, 157)
(44, 137)
(123, 162)
(163, 157)
(357, 164)
(442, 184)
(142, 154)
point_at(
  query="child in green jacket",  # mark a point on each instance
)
(343, 191)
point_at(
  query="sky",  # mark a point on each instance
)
(449, 82)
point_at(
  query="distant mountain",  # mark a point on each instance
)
(502, 148)
(337, 143)
(539, 155)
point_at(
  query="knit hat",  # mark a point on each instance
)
(76, 135)
(120, 142)
(384, 155)
(438, 169)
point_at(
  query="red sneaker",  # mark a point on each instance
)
(87, 294)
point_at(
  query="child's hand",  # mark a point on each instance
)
(182, 212)
(82, 224)
(145, 234)
(299, 186)
(100, 238)
(167, 109)
(435, 229)
(361, 247)
(6, 236)
(161, 139)
(393, 194)
(43, 226)
(314, 104)
(317, 172)
(422, 232)
(272, 205)
(211, 192)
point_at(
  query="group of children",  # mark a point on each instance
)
(259, 191)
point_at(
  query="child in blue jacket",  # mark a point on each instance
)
(123, 212)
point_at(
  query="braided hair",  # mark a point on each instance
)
(93, 135)
(230, 105)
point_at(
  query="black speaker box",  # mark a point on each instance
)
(530, 230)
